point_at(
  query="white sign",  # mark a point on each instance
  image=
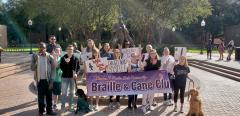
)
(96, 65)
(128, 51)
(180, 51)
(86, 56)
(217, 41)
(117, 66)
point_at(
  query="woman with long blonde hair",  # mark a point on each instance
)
(181, 72)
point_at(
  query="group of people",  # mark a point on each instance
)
(55, 75)
(221, 49)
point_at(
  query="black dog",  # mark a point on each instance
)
(82, 103)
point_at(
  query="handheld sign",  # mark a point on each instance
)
(116, 66)
(180, 51)
(128, 51)
(96, 65)
(86, 56)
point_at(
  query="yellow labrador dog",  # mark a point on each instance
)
(195, 103)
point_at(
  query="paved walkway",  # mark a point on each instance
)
(220, 95)
(15, 95)
(215, 57)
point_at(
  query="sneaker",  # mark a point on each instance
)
(96, 108)
(175, 108)
(151, 108)
(181, 109)
(71, 109)
(118, 105)
(135, 106)
(55, 106)
(91, 107)
(169, 103)
(144, 109)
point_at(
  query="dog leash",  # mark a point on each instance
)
(189, 85)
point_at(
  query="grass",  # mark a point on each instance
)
(19, 49)
(194, 50)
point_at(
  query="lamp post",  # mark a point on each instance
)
(29, 31)
(203, 23)
(59, 33)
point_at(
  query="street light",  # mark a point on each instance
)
(203, 24)
(59, 33)
(29, 31)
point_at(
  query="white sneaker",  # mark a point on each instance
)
(96, 107)
(169, 103)
(151, 108)
(175, 108)
(144, 109)
(181, 109)
(91, 107)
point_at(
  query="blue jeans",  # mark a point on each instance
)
(67, 84)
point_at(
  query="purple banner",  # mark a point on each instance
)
(105, 84)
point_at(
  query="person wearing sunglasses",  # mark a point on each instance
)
(52, 44)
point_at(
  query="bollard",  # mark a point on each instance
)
(237, 53)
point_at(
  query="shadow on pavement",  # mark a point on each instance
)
(27, 113)
(14, 108)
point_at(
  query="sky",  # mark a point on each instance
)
(4, 1)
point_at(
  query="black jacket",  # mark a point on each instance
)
(68, 69)
(151, 66)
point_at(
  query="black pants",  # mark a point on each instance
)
(43, 90)
(132, 100)
(209, 54)
(168, 96)
(176, 91)
(117, 98)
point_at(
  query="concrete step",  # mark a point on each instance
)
(215, 71)
(217, 65)
(214, 67)
(11, 69)
(14, 67)
(7, 65)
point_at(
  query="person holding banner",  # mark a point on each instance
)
(146, 55)
(168, 63)
(70, 66)
(117, 55)
(95, 57)
(152, 63)
(134, 65)
(181, 72)
(106, 51)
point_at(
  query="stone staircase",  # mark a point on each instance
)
(225, 71)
